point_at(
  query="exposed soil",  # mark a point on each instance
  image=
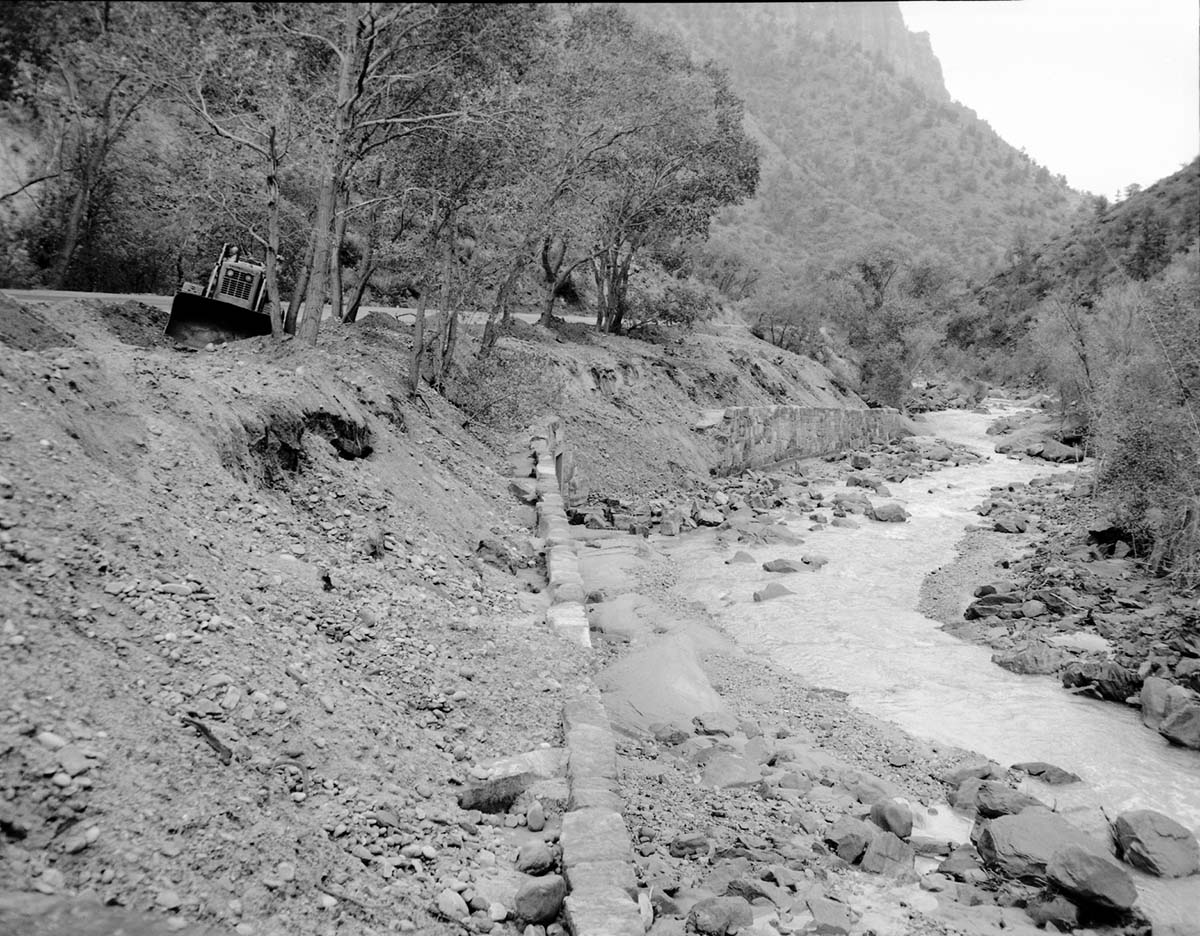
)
(264, 615)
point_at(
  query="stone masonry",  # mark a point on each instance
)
(764, 436)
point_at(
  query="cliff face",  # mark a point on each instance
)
(861, 141)
(874, 27)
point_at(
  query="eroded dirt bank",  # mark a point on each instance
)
(265, 619)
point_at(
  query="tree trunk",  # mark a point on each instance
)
(293, 311)
(500, 309)
(504, 295)
(274, 308)
(79, 207)
(366, 268)
(314, 297)
(335, 262)
(332, 174)
(445, 318)
(418, 348)
(554, 250)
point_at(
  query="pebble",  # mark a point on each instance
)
(50, 740)
(452, 905)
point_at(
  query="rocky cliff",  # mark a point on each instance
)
(874, 27)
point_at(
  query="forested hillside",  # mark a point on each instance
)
(861, 141)
(1136, 239)
(451, 153)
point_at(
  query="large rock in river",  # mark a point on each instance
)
(1107, 680)
(889, 512)
(1182, 726)
(1156, 843)
(1173, 711)
(1021, 846)
(1033, 658)
(1091, 879)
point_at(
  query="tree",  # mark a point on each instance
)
(74, 75)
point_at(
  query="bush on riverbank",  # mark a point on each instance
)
(1129, 367)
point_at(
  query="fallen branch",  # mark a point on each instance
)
(223, 752)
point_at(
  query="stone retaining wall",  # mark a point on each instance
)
(764, 436)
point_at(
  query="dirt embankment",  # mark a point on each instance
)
(264, 616)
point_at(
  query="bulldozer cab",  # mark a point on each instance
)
(228, 308)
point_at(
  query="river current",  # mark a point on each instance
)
(854, 627)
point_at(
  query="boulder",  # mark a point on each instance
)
(709, 516)
(717, 722)
(850, 837)
(773, 590)
(784, 565)
(539, 900)
(887, 854)
(1154, 698)
(1181, 726)
(830, 917)
(1092, 879)
(1011, 523)
(990, 605)
(535, 858)
(1156, 844)
(688, 844)
(994, 798)
(719, 916)
(1106, 680)
(1033, 658)
(1053, 910)
(891, 512)
(740, 556)
(1047, 773)
(893, 815)
(1022, 845)
(1055, 451)
(451, 905)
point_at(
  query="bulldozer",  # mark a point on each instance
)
(230, 307)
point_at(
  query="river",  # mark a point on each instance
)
(854, 627)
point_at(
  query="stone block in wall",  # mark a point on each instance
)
(585, 708)
(570, 621)
(612, 913)
(592, 836)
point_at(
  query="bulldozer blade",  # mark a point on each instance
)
(197, 321)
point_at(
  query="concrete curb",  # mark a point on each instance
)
(556, 486)
(597, 854)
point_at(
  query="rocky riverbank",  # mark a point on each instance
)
(1051, 585)
(758, 802)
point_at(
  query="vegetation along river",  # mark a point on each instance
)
(853, 627)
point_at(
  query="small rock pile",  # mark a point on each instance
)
(750, 496)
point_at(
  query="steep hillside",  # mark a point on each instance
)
(861, 141)
(1136, 238)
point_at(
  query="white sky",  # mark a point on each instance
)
(1106, 92)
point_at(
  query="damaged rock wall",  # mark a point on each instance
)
(763, 436)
